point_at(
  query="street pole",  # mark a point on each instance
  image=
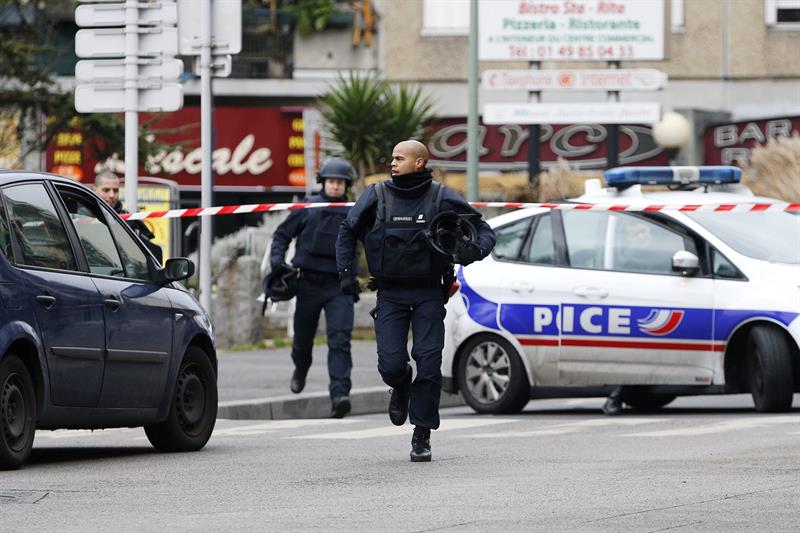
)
(206, 226)
(131, 105)
(534, 156)
(612, 130)
(472, 116)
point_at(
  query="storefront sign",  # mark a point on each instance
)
(571, 30)
(258, 148)
(505, 147)
(642, 79)
(731, 144)
(571, 113)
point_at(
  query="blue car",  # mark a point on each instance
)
(94, 333)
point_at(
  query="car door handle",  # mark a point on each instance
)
(522, 287)
(112, 303)
(46, 300)
(590, 292)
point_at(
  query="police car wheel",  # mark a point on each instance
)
(769, 370)
(17, 413)
(193, 409)
(491, 376)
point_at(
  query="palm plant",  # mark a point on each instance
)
(367, 117)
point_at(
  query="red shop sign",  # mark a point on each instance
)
(731, 144)
(259, 148)
(505, 147)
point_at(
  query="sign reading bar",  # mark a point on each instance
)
(592, 113)
(571, 30)
(644, 79)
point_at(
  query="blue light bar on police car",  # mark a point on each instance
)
(627, 176)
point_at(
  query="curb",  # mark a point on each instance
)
(315, 405)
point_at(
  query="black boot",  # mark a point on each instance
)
(298, 382)
(340, 406)
(421, 445)
(613, 405)
(398, 403)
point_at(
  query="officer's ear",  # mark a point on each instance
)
(419, 163)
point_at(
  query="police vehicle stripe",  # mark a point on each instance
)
(614, 326)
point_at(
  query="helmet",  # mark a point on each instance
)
(336, 168)
(280, 284)
(449, 233)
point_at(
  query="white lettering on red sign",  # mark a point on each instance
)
(243, 159)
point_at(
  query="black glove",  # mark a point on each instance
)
(349, 285)
(275, 267)
(469, 254)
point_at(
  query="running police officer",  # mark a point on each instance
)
(318, 283)
(413, 282)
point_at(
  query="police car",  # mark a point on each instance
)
(575, 301)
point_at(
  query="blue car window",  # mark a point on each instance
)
(95, 236)
(133, 258)
(638, 245)
(5, 235)
(585, 232)
(36, 227)
(510, 239)
(542, 249)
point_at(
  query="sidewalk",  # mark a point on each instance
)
(255, 385)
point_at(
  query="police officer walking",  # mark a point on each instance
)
(318, 283)
(413, 282)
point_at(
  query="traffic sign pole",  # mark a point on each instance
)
(131, 106)
(206, 226)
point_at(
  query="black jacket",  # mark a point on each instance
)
(316, 229)
(361, 219)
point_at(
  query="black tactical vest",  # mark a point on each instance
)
(396, 247)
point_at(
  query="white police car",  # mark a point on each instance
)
(573, 302)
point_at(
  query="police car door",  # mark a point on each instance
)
(628, 318)
(521, 279)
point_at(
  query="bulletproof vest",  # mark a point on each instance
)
(323, 230)
(396, 246)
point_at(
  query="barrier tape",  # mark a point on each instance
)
(261, 208)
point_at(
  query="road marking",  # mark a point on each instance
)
(278, 425)
(571, 427)
(737, 424)
(394, 431)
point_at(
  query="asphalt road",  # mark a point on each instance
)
(703, 464)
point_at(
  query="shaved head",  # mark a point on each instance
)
(409, 156)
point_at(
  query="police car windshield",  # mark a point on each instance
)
(773, 237)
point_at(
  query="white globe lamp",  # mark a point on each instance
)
(672, 133)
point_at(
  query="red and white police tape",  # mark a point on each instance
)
(260, 208)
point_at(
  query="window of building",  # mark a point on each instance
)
(782, 13)
(445, 17)
(676, 16)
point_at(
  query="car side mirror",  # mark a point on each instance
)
(686, 263)
(176, 269)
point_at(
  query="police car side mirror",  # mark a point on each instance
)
(176, 269)
(686, 263)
